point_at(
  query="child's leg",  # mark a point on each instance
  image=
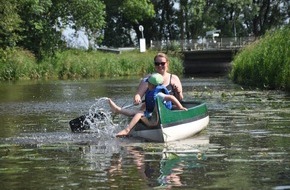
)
(153, 121)
(117, 109)
(132, 123)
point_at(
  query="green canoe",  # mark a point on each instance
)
(175, 124)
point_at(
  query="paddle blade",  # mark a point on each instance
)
(77, 124)
(82, 123)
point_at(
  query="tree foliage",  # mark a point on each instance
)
(188, 19)
(123, 18)
(37, 25)
(9, 23)
(88, 15)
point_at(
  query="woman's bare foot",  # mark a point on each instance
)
(123, 133)
(113, 106)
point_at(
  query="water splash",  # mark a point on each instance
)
(101, 121)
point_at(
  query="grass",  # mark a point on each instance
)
(265, 63)
(18, 64)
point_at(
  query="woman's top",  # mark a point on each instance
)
(170, 86)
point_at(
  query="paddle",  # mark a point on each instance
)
(83, 122)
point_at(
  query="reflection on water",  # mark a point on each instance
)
(182, 155)
(245, 146)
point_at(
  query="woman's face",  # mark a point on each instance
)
(161, 65)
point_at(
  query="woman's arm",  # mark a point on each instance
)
(177, 87)
(140, 92)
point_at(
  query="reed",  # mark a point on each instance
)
(80, 64)
(265, 63)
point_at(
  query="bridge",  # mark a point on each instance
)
(208, 62)
(206, 56)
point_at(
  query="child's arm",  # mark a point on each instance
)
(173, 99)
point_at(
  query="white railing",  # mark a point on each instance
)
(202, 43)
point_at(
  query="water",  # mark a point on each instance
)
(245, 146)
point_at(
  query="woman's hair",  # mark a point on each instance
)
(162, 55)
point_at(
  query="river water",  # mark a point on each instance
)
(245, 146)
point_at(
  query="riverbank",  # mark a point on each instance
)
(265, 63)
(19, 64)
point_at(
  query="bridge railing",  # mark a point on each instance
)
(202, 43)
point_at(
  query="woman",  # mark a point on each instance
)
(171, 81)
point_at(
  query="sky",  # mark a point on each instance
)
(79, 41)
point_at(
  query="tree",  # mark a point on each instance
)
(40, 33)
(123, 19)
(196, 18)
(37, 25)
(88, 15)
(269, 14)
(230, 16)
(10, 23)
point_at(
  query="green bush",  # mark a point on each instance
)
(265, 63)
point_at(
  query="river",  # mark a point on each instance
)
(245, 146)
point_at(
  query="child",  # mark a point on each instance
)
(155, 89)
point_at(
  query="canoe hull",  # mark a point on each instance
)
(172, 133)
(175, 125)
(185, 130)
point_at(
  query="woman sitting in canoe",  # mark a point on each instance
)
(170, 81)
(155, 89)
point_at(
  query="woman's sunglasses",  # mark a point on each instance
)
(159, 63)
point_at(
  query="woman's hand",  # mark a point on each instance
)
(177, 92)
(175, 89)
(137, 99)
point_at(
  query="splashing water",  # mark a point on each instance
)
(102, 127)
(100, 120)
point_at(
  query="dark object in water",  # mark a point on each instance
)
(81, 123)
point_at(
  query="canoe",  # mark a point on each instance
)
(175, 124)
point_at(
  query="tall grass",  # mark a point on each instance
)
(266, 63)
(17, 64)
(80, 64)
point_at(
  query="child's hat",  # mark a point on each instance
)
(155, 79)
